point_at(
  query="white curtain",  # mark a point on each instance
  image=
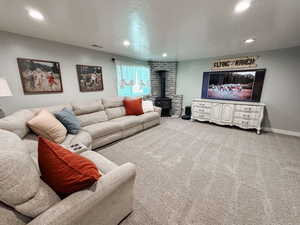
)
(133, 79)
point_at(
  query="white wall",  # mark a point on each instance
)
(13, 46)
(281, 91)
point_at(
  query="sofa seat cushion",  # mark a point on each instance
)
(128, 121)
(102, 129)
(147, 117)
(43, 200)
(103, 164)
(16, 122)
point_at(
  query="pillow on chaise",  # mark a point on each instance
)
(64, 171)
(69, 120)
(133, 106)
(147, 106)
(46, 125)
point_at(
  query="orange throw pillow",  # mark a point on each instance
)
(64, 171)
(133, 106)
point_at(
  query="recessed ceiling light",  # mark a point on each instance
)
(35, 14)
(126, 43)
(242, 6)
(249, 41)
(164, 55)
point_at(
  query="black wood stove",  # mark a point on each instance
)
(164, 102)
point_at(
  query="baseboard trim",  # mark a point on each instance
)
(280, 131)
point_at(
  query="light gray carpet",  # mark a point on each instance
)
(203, 174)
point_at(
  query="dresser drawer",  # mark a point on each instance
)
(202, 104)
(197, 109)
(245, 123)
(247, 115)
(247, 108)
(200, 116)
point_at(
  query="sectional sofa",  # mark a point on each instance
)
(23, 194)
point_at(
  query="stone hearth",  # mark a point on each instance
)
(171, 68)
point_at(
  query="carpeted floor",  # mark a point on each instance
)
(203, 174)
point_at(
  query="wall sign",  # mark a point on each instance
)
(235, 63)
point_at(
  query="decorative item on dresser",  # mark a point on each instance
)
(4, 92)
(246, 115)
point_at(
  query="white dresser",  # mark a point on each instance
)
(246, 115)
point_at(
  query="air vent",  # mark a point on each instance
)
(96, 46)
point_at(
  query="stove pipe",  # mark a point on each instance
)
(162, 76)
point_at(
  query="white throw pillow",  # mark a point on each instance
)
(148, 106)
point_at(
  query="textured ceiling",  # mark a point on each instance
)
(185, 29)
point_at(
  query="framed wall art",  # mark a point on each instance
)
(90, 78)
(40, 76)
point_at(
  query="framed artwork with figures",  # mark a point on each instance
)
(40, 76)
(89, 78)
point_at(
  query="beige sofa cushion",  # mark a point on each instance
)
(43, 199)
(19, 179)
(20, 183)
(53, 109)
(46, 125)
(16, 122)
(87, 107)
(147, 117)
(92, 118)
(102, 163)
(102, 129)
(9, 216)
(117, 112)
(113, 102)
(128, 121)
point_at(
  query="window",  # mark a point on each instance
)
(133, 79)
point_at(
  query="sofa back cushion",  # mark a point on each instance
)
(87, 107)
(112, 102)
(92, 118)
(46, 125)
(52, 109)
(20, 182)
(16, 122)
(116, 112)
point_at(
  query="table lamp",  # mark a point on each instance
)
(4, 91)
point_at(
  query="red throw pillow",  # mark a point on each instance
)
(133, 106)
(64, 171)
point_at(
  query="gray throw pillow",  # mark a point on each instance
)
(69, 120)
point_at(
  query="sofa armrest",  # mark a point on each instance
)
(157, 109)
(108, 201)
